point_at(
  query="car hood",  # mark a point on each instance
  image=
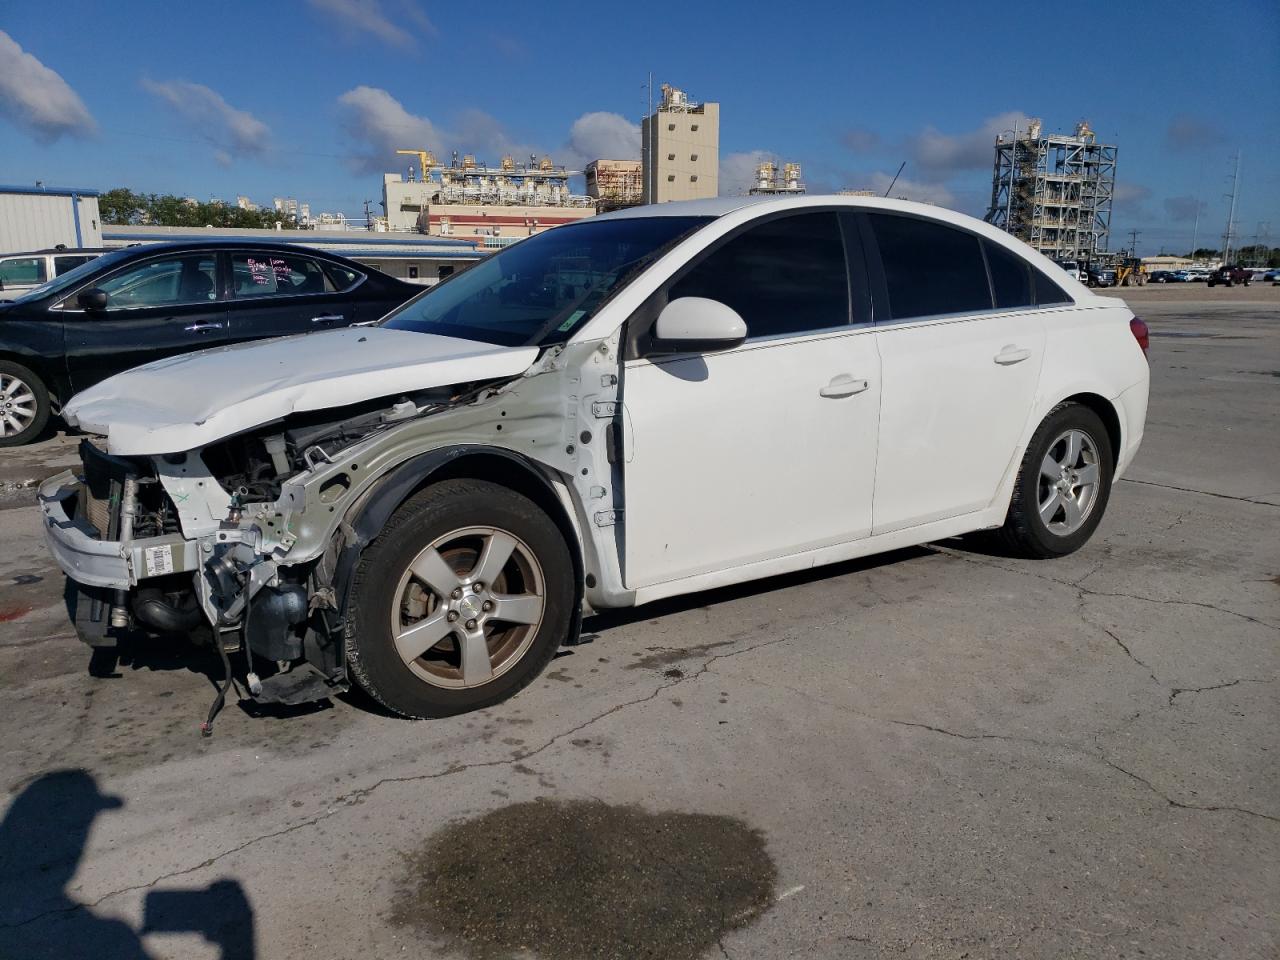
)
(189, 401)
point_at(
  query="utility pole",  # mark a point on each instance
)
(1133, 242)
(368, 216)
(1231, 215)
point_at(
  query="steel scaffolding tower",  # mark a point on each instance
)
(1054, 191)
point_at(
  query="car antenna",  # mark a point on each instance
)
(895, 178)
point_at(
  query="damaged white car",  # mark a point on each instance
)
(643, 404)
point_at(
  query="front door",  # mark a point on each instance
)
(960, 371)
(157, 308)
(767, 449)
(278, 294)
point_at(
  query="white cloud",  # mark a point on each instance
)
(940, 154)
(37, 99)
(603, 136)
(367, 16)
(379, 124)
(236, 132)
(738, 171)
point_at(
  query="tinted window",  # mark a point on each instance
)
(1010, 277)
(22, 270)
(930, 268)
(785, 276)
(1047, 291)
(542, 289)
(62, 264)
(168, 280)
(276, 275)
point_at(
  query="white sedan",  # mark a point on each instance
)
(648, 403)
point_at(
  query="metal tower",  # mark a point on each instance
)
(1054, 191)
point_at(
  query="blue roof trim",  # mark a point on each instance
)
(50, 191)
(407, 253)
(313, 238)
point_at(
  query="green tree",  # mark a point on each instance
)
(124, 207)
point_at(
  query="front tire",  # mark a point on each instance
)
(461, 601)
(1063, 485)
(24, 405)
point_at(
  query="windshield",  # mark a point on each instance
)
(538, 291)
(68, 280)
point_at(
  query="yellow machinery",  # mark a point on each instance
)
(1130, 272)
(426, 160)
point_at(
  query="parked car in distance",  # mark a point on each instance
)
(1073, 268)
(1162, 276)
(1229, 275)
(1272, 276)
(644, 404)
(23, 272)
(1182, 276)
(145, 303)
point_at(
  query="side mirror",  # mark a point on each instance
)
(697, 325)
(93, 299)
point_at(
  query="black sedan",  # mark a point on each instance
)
(143, 303)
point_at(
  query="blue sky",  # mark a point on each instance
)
(309, 98)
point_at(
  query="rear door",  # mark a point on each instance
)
(960, 370)
(155, 308)
(275, 294)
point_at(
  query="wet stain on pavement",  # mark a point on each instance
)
(665, 656)
(9, 614)
(586, 880)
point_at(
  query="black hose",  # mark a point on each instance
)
(206, 728)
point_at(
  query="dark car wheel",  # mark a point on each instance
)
(460, 602)
(1063, 485)
(24, 405)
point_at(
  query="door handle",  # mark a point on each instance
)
(327, 318)
(1011, 354)
(843, 386)
(199, 327)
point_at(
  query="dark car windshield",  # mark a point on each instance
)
(68, 280)
(538, 291)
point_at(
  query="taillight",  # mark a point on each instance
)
(1141, 333)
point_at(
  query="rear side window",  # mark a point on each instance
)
(62, 264)
(930, 268)
(269, 274)
(784, 277)
(1047, 292)
(343, 278)
(1010, 277)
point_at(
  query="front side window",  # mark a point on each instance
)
(930, 269)
(540, 290)
(269, 274)
(784, 277)
(1010, 277)
(162, 282)
(23, 270)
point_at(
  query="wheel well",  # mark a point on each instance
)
(509, 472)
(1107, 413)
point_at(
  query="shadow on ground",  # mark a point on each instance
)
(42, 840)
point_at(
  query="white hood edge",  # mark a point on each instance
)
(192, 400)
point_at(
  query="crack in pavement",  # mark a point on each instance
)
(968, 558)
(356, 796)
(1178, 691)
(1203, 493)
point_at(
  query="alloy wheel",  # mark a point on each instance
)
(17, 405)
(468, 607)
(1069, 482)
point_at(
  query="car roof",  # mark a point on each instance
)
(56, 251)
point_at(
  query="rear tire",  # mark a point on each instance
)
(1063, 485)
(436, 579)
(24, 405)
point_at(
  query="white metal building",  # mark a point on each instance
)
(39, 218)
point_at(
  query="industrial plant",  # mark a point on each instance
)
(771, 180)
(1054, 191)
(680, 149)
